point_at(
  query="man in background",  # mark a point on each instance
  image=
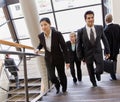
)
(12, 68)
(112, 32)
(71, 47)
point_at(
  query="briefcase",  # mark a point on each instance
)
(109, 66)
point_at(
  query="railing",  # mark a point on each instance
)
(1, 68)
(23, 54)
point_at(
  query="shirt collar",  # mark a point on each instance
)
(109, 23)
(89, 27)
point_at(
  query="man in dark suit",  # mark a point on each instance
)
(89, 47)
(12, 68)
(112, 32)
(55, 54)
(71, 47)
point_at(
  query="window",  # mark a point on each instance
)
(74, 19)
(67, 4)
(15, 10)
(44, 6)
(20, 26)
(2, 17)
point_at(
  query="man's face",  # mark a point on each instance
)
(89, 20)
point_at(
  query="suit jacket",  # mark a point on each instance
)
(72, 54)
(58, 48)
(10, 64)
(85, 50)
(112, 33)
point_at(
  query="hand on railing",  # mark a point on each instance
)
(36, 51)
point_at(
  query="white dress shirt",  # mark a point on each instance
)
(88, 31)
(48, 40)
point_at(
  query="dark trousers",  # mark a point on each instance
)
(15, 74)
(91, 73)
(78, 67)
(62, 79)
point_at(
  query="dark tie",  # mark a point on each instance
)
(92, 38)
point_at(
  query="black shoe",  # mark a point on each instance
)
(79, 80)
(98, 76)
(94, 85)
(113, 79)
(113, 76)
(74, 80)
(57, 88)
(65, 93)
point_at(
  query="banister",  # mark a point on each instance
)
(15, 44)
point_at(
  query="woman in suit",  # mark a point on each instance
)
(71, 47)
(55, 54)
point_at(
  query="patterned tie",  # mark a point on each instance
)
(92, 38)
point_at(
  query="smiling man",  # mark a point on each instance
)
(89, 47)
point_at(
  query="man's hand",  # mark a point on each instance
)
(67, 65)
(107, 56)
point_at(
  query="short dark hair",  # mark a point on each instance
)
(45, 19)
(88, 12)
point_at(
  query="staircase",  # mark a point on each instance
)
(107, 91)
(18, 95)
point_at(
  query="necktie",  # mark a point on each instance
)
(92, 38)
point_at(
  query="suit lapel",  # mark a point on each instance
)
(97, 33)
(52, 40)
(85, 35)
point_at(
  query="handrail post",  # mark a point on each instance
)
(25, 77)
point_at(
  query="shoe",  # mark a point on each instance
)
(57, 88)
(65, 93)
(113, 76)
(94, 85)
(98, 76)
(79, 80)
(57, 92)
(74, 80)
(113, 79)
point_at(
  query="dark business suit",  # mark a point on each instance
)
(92, 53)
(55, 58)
(112, 32)
(73, 59)
(12, 68)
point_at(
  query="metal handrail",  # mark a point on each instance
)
(0, 76)
(23, 54)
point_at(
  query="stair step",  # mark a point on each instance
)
(107, 91)
(22, 90)
(20, 98)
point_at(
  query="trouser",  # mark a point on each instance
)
(78, 67)
(15, 74)
(62, 79)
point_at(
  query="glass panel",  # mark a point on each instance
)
(22, 31)
(5, 33)
(74, 19)
(2, 17)
(43, 6)
(50, 16)
(66, 37)
(66, 4)
(15, 10)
